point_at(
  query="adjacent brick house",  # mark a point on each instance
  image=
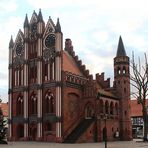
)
(4, 107)
(52, 96)
(137, 118)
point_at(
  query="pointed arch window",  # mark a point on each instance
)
(111, 108)
(106, 107)
(20, 106)
(33, 104)
(89, 111)
(118, 70)
(101, 106)
(49, 126)
(49, 102)
(33, 72)
(116, 108)
(33, 50)
(46, 71)
(20, 131)
(124, 70)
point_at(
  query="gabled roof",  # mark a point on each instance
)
(70, 65)
(78, 63)
(120, 50)
(136, 109)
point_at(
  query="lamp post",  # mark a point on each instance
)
(105, 137)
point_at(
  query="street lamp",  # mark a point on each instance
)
(105, 136)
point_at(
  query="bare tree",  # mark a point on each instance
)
(139, 80)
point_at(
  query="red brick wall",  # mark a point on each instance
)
(72, 110)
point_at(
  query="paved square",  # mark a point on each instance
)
(119, 144)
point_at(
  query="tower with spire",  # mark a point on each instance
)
(122, 86)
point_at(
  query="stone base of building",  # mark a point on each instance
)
(58, 140)
(39, 139)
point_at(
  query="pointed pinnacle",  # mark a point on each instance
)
(11, 43)
(40, 17)
(26, 23)
(58, 26)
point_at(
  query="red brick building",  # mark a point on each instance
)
(52, 96)
(137, 119)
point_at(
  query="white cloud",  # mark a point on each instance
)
(93, 25)
(8, 6)
(59, 4)
(10, 26)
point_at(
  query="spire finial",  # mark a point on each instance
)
(40, 17)
(11, 43)
(58, 26)
(26, 23)
(120, 50)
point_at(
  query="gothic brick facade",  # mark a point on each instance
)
(52, 96)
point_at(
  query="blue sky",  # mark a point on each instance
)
(94, 27)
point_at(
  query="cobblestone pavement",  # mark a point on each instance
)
(119, 144)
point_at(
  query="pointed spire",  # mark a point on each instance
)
(26, 23)
(40, 17)
(58, 26)
(11, 43)
(34, 13)
(120, 51)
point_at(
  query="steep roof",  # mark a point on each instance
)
(120, 50)
(74, 60)
(136, 109)
(69, 64)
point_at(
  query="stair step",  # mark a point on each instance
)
(78, 131)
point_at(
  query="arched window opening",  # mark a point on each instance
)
(51, 71)
(124, 90)
(34, 104)
(89, 112)
(125, 113)
(124, 70)
(33, 50)
(101, 106)
(20, 131)
(46, 71)
(116, 108)
(111, 108)
(118, 71)
(20, 106)
(106, 107)
(49, 100)
(49, 127)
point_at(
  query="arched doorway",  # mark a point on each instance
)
(89, 111)
(20, 131)
(104, 134)
(33, 132)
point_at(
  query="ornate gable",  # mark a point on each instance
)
(49, 40)
(50, 28)
(18, 49)
(34, 18)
